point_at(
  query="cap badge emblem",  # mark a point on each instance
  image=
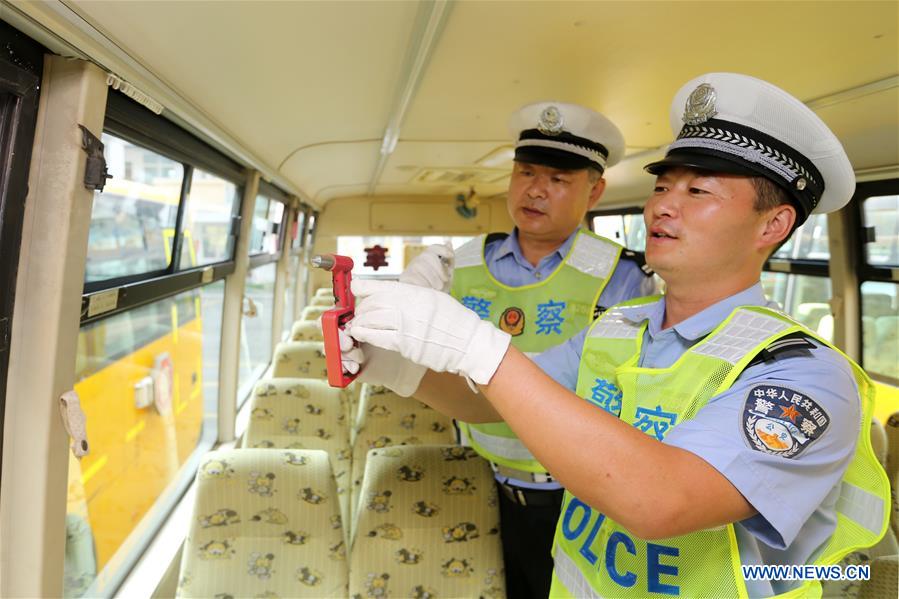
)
(551, 121)
(801, 183)
(700, 105)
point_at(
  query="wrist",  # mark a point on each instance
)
(491, 344)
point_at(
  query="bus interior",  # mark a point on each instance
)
(171, 297)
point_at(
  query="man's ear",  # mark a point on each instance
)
(596, 192)
(778, 225)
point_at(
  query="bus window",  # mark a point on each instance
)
(211, 206)
(259, 292)
(256, 326)
(132, 220)
(805, 298)
(400, 250)
(147, 379)
(809, 242)
(882, 213)
(627, 229)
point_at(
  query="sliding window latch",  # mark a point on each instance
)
(95, 172)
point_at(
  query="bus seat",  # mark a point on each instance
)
(300, 359)
(811, 313)
(428, 525)
(387, 419)
(322, 301)
(884, 580)
(303, 414)
(324, 292)
(825, 326)
(882, 556)
(265, 523)
(392, 413)
(892, 467)
(313, 312)
(306, 330)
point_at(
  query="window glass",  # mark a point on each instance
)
(211, 207)
(882, 213)
(133, 218)
(400, 250)
(805, 298)
(808, 242)
(267, 216)
(147, 380)
(880, 328)
(627, 229)
(256, 326)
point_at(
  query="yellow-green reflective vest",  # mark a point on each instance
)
(538, 316)
(596, 557)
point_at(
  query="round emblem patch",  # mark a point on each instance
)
(780, 421)
(700, 105)
(551, 121)
(512, 321)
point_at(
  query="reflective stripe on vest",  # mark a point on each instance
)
(613, 562)
(538, 316)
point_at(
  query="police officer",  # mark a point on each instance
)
(542, 283)
(716, 432)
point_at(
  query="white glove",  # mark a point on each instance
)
(432, 268)
(428, 327)
(381, 366)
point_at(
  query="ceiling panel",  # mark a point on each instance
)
(277, 75)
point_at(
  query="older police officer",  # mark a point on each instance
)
(542, 283)
(716, 431)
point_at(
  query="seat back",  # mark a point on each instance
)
(306, 330)
(300, 359)
(265, 523)
(428, 525)
(386, 419)
(327, 301)
(303, 414)
(313, 312)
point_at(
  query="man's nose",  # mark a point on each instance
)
(537, 187)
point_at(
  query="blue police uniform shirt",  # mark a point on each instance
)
(795, 497)
(508, 265)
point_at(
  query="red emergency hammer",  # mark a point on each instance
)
(341, 268)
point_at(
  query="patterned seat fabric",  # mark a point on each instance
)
(265, 524)
(300, 359)
(384, 419)
(313, 312)
(306, 330)
(303, 414)
(428, 526)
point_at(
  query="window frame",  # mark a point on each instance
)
(135, 124)
(869, 272)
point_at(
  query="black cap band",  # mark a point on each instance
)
(726, 147)
(565, 151)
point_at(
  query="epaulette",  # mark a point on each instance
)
(791, 343)
(498, 236)
(640, 259)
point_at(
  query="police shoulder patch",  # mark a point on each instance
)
(779, 421)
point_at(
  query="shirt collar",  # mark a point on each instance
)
(701, 323)
(511, 246)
